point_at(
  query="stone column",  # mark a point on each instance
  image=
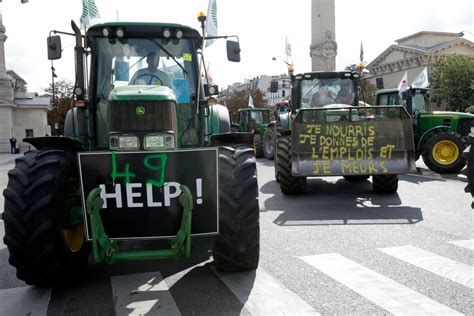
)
(6, 82)
(323, 48)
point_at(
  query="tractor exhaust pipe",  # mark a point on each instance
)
(79, 85)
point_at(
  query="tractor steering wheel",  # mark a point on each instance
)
(150, 82)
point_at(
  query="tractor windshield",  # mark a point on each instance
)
(146, 61)
(260, 117)
(320, 92)
(151, 62)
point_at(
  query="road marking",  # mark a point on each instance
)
(25, 301)
(261, 294)
(468, 244)
(142, 294)
(386, 293)
(444, 267)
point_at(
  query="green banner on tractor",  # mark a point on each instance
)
(352, 141)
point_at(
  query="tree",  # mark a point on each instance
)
(63, 90)
(452, 79)
(240, 99)
(367, 91)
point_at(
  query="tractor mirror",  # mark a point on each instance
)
(54, 47)
(121, 70)
(274, 86)
(233, 51)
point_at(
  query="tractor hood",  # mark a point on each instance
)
(142, 92)
(451, 114)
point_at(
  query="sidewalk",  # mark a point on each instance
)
(7, 158)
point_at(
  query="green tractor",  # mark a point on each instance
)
(255, 121)
(329, 134)
(279, 110)
(439, 136)
(145, 160)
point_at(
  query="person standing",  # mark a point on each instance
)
(13, 145)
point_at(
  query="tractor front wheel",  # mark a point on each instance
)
(356, 178)
(289, 184)
(386, 183)
(268, 146)
(237, 247)
(44, 230)
(258, 145)
(443, 153)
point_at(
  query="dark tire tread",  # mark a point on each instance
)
(237, 247)
(289, 184)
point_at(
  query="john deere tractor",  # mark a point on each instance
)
(328, 134)
(440, 137)
(254, 120)
(140, 160)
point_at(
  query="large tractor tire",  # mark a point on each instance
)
(443, 153)
(258, 145)
(268, 144)
(468, 171)
(237, 247)
(289, 184)
(386, 183)
(356, 178)
(46, 247)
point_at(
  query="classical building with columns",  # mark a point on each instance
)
(413, 53)
(22, 114)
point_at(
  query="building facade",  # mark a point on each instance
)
(412, 54)
(22, 114)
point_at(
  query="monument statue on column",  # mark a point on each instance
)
(323, 48)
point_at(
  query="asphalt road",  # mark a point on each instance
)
(337, 249)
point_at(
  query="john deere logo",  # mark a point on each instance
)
(140, 110)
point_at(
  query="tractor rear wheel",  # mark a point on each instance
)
(468, 171)
(386, 183)
(443, 153)
(258, 145)
(268, 142)
(237, 247)
(44, 231)
(289, 184)
(356, 178)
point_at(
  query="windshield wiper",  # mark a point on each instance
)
(164, 49)
(317, 84)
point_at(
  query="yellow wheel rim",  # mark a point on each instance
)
(445, 152)
(74, 238)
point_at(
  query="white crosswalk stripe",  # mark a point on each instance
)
(444, 267)
(142, 294)
(386, 293)
(24, 301)
(468, 244)
(261, 294)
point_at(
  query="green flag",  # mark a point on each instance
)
(421, 81)
(89, 12)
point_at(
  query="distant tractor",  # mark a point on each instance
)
(143, 158)
(254, 120)
(328, 134)
(280, 111)
(439, 136)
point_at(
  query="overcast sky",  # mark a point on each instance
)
(261, 25)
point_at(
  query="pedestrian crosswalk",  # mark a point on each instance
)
(261, 293)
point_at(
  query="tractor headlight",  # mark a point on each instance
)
(159, 141)
(124, 142)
